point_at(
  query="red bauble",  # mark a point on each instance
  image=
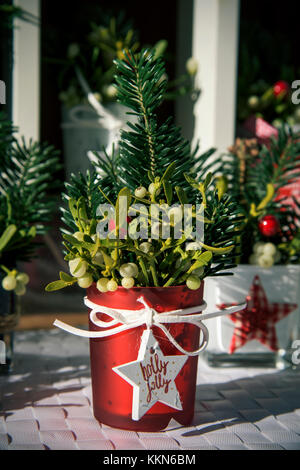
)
(269, 226)
(280, 88)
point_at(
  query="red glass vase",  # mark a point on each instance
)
(112, 395)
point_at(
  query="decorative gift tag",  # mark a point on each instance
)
(152, 376)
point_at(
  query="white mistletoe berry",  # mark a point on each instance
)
(110, 91)
(145, 247)
(9, 282)
(155, 230)
(175, 213)
(192, 246)
(22, 278)
(85, 281)
(191, 66)
(253, 102)
(73, 265)
(128, 282)
(129, 270)
(140, 192)
(265, 261)
(258, 248)
(98, 259)
(269, 249)
(199, 271)
(112, 285)
(102, 284)
(79, 236)
(193, 282)
(153, 188)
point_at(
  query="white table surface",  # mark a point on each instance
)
(46, 404)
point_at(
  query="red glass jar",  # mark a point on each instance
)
(112, 395)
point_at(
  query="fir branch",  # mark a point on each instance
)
(26, 176)
(84, 186)
(141, 87)
(277, 164)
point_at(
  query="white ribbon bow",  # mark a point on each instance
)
(148, 316)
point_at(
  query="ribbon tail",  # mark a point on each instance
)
(94, 334)
(177, 345)
(226, 311)
(72, 329)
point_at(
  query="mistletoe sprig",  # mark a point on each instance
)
(123, 259)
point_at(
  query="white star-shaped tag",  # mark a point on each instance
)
(152, 376)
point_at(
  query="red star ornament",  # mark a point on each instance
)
(258, 319)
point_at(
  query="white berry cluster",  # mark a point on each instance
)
(128, 272)
(264, 254)
(79, 269)
(106, 266)
(15, 281)
(141, 192)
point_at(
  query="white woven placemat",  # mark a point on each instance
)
(46, 404)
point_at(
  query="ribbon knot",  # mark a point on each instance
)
(149, 312)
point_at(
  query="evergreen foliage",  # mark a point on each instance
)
(26, 175)
(149, 147)
(255, 177)
(156, 156)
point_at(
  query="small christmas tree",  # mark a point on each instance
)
(154, 166)
(255, 176)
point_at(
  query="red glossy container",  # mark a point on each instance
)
(112, 395)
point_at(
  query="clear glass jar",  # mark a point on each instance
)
(281, 285)
(9, 317)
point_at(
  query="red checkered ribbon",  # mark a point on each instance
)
(258, 319)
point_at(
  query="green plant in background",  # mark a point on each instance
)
(94, 59)
(154, 166)
(264, 83)
(255, 177)
(8, 12)
(26, 176)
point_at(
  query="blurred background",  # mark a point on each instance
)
(230, 66)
